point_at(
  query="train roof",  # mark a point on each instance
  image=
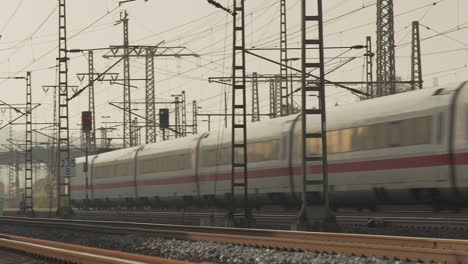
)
(382, 109)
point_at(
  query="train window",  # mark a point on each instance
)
(314, 147)
(415, 131)
(216, 157)
(165, 164)
(440, 128)
(395, 135)
(466, 122)
(263, 151)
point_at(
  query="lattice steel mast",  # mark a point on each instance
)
(91, 102)
(194, 118)
(273, 98)
(184, 115)
(150, 98)
(385, 48)
(64, 207)
(28, 166)
(279, 96)
(177, 117)
(11, 167)
(255, 99)
(369, 68)
(239, 178)
(313, 112)
(284, 94)
(416, 64)
(127, 113)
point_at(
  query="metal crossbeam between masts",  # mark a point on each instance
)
(149, 53)
(311, 213)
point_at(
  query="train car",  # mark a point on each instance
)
(409, 148)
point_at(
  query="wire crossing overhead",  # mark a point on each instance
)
(416, 64)
(385, 48)
(313, 90)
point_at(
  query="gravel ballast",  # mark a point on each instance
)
(195, 251)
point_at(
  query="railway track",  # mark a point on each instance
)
(67, 253)
(284, 221)
(179, 217)
(406, 248)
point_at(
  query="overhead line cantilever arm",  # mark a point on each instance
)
(309, 74)
(13, 121)
(218, 5)
(97, 78)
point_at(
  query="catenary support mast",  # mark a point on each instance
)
(28, 208)
(385, 48)
(416, 64)
(64, 160)
(239, 178)
(313, 110)
(284, 94)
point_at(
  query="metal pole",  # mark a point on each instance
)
(64, 208)
(28, 208)
(385, 48)
(91, 101)
(369, 68)
(150, 99)
(283, 79)
(416, 64)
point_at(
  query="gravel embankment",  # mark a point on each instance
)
(188, 250)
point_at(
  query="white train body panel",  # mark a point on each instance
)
(404, 148)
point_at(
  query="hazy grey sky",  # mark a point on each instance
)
(29, 39)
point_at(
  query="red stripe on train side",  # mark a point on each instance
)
(360, 166)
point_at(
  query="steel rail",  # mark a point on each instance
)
(77, 254)
(415, 249)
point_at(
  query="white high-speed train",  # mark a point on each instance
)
(409, 148)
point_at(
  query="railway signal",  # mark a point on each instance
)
(163, 118)
(87, 121)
